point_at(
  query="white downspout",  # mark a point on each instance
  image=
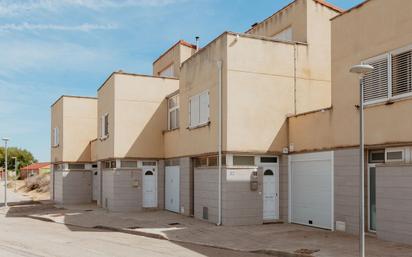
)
(294, 77)
(219, 143)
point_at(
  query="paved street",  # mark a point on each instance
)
(32, 238)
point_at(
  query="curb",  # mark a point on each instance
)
(275, 253)
(132, 232)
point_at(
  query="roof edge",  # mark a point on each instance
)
(322, 2)
(135, 75)
(351, 9)
(73, 96)
(330, 6)
(246, 36)
(311, 112)
(180, 42)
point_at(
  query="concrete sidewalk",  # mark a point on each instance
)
(276, 239)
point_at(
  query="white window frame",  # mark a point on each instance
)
(172, 109)
(199, 122)
(388, 57)
(56, 137)
(103, 134)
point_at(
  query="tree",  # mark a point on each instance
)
(24, 157)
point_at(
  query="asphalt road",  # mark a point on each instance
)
(33, 238)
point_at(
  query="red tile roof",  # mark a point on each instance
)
(36, 166)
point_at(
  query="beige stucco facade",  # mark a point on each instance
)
(75, 117)
(279, 79)
(357, 36)
(136, 108)
(174, 56)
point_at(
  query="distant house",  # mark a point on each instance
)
(34, 169)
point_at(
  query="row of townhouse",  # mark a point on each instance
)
(256, 126)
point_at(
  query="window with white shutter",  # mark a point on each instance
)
(391, 77)
(199, 109)
(375, 83)
(204, 107)
(402, 73)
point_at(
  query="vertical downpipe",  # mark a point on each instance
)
(294, 77)
(219, 143)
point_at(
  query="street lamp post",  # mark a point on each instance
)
(5, 171)
(361, 70)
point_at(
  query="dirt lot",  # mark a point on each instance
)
(37, 187)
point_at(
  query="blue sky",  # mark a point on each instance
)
(53, 47)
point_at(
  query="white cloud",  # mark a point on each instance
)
(13, 7)
(29, 26)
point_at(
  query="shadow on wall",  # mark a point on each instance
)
(149, 142)
(85, 156)
(281, 138)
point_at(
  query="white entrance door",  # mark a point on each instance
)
(270, 195)
(172, 188)
(149, 187)
(311, 182)
(96, 188)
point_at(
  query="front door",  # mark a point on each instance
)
(149, 187)
(372, 197)
(270, 195)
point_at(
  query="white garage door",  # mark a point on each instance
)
(312, 189)
(172, 186)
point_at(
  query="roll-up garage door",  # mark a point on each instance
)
(312, 189)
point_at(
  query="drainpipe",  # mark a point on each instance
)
(294, 77)
(219, 143)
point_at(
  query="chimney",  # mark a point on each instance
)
(197, 43)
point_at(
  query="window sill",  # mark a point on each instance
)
(199, 126)
(169, 130)
(388, 101)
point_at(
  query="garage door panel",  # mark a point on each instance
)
(311, 188)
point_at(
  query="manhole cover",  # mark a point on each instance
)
(174, 223)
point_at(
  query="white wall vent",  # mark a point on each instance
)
(395, 155)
